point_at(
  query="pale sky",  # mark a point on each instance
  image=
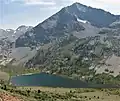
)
(14, 13)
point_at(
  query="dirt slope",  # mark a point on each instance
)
(7, 97)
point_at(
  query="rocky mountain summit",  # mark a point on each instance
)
(73, 19)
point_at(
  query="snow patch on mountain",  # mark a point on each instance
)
(83, 21)
(8, 30)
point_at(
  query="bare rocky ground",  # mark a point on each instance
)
(112, 64)
(7, 97)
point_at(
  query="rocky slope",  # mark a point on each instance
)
(74, 33)
(73, 19)
(11, 35)
(8, 38)
(76, 37)
(98, 52)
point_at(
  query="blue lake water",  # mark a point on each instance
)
(43, 79)
(48, 80)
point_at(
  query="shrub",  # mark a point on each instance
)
(106, 70)
(39, 91)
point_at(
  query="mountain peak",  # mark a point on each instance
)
(97, 17)
(68, 20)
(78, 4)
(23, 28)
(10, 30)
(79, 7)
(20, 27)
